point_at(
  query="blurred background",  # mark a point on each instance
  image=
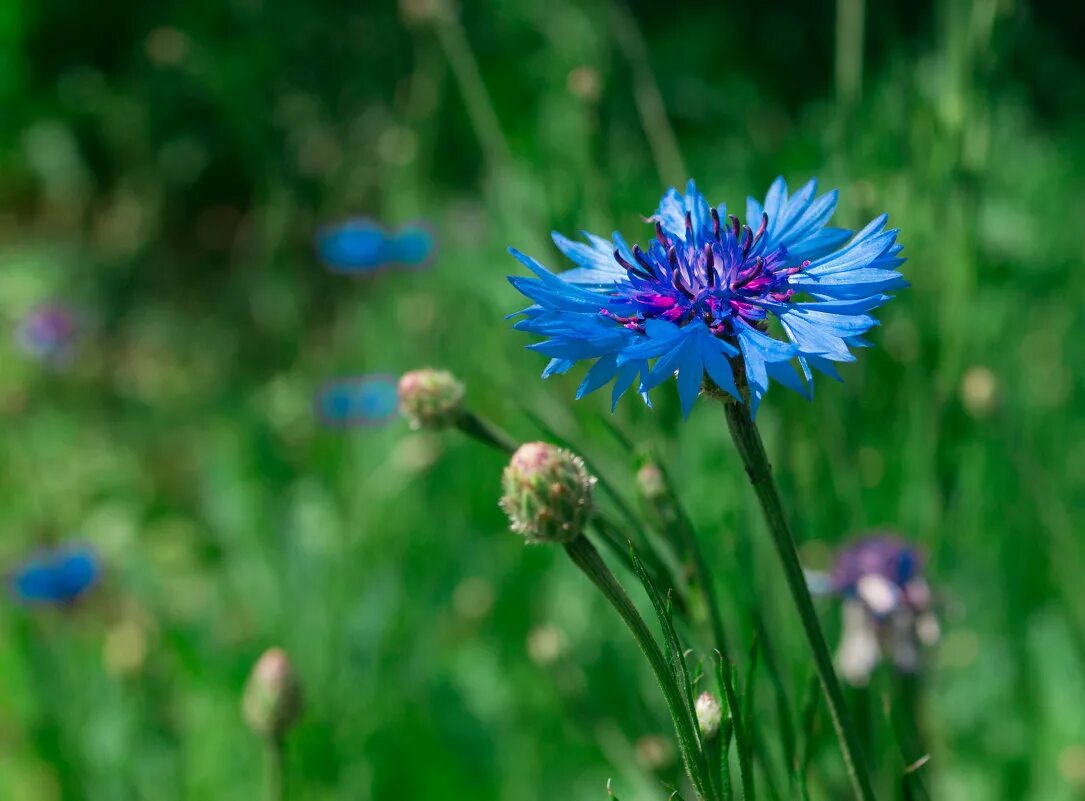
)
(165, 170)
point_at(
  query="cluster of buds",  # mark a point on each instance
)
(430, 398)
(272, 700)
(547, 493)
(888, 607)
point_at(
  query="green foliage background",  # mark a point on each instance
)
(163, 167)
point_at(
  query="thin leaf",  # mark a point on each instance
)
(685, 717)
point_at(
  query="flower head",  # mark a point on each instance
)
(48, 334)
(547, 493)
(430, 398)
(59, 576)
(651, 484)
(710, 294)
(709, 714)
(362, 247)
(367, 400)
(888, 607)
(272, 699)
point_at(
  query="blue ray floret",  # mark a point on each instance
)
(710, 295)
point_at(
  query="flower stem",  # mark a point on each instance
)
(274, 781)
(481, 429)
(747, 440)
(585, 557)
(681, 529)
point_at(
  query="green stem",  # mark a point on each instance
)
(724, 749)
(647, 96)
(747, 440)
(585, 557)
(476, 100)
(682, 530)
(611, 536)
(274, 777)
(484, 431)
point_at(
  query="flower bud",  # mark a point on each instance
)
(272, 700)
(709, 715)
(424, 12)
(547, 493)
(430, 398)
(650, 482)
(654, 752)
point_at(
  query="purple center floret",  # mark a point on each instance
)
(717, 277)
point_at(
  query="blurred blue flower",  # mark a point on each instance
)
(883, 555)
(364, 400)
(411, 246)
(888, 606)
(57, 576)
(48, 334)
(710, 295)
(361, 246)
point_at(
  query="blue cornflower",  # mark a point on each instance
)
(360, 246)
(56, 576)
(710, 295)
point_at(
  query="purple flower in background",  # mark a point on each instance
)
(48, 334)
(58, 576)
(888, 607)
(710, 295)
(363, 400)
(362, 246)
(885, 556)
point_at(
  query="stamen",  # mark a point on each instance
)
(662, 237)
(676, 273)
(749, 275)
(676, 282)
(625, 321)
(715, 223)
(642, 260)
(709, 265)
(747, 240)
(689, 226)
(762, 227)
(629, 267)
(735, 224)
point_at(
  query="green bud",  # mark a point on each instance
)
(709, 715)
(425, 12)
(547, 493)
(430, 398)
(650, 482)
(654, 752)
(272, 700)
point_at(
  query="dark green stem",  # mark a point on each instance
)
(748, 441)
(585, 557)
(485, 432)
